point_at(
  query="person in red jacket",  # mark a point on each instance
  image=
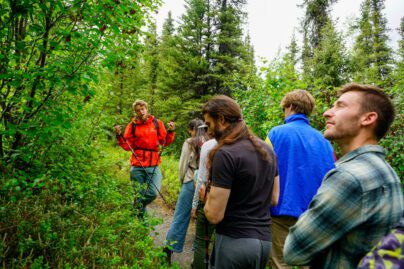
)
(142, 136)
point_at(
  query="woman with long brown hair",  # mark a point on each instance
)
(189, 161)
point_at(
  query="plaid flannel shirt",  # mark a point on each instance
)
(357, 204)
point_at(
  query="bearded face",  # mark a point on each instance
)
(214, 127)
(343, 119)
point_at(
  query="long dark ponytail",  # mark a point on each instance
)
(226, 107)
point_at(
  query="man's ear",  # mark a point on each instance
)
(221, 120)
(369, 118)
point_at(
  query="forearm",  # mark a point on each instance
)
(275, 192)
(216, 204)
(195, 200)
(169, 139)
(121, 142)
(333, 212)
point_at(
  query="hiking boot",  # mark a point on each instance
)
(169, 253)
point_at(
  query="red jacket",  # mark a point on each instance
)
(144, 141)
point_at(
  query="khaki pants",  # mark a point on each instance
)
(280, 229)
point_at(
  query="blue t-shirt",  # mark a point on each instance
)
(304, 157)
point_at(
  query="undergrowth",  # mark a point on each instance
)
(78, 214)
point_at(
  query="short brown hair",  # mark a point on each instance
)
(374, 100)
(302, 101)
(139, 102)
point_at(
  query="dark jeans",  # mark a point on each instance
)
(203, 232)
(149, 179)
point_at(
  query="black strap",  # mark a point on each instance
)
(133, 129)
(145, 149)
(156, 125)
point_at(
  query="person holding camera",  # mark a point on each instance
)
(142, 137)
(188, 167)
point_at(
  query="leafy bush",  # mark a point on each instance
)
(76, 214)
(171, 185)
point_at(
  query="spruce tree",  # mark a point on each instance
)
(372, 55)
(169, 81)
(228, 58)
(329, 59)
(150, 68)
(399, 70)
(317, 15)
(196, 45)
(293, 51)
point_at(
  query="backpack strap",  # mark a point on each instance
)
(133, 129)
(156, 125)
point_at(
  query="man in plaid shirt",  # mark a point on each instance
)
(361, 199)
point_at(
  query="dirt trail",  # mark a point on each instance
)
(160, 210)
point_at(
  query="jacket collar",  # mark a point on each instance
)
(296, 117)
(149, 119)
(364, 149)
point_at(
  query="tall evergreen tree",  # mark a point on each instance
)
(168, 53)
(317, 15)
(329, 59)
(293, 51)
(392, 141)
(399, 70)
(372, 55)
(228, 58)
(172, 87)
(150, 67)
(196, 44)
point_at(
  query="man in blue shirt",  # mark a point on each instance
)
(304, 157)
(361, 199)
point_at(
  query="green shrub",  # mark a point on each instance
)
(171, 184)
(78, 214)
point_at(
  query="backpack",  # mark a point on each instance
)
(156, 125)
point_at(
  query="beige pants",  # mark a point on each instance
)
(280, 229)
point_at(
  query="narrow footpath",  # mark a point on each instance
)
(160, 210)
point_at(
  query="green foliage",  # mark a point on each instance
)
(71, 70)
(329, 62)
(50, 52)
(171, 183)
(77, 214)
(281, 77)
(372, 56)
(65, 201)
(316, 17)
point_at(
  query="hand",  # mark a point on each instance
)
(118, 129)
(202, 191)
(171, 125)
(193, 213)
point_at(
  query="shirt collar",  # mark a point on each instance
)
(296, 117)
(364, 149)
